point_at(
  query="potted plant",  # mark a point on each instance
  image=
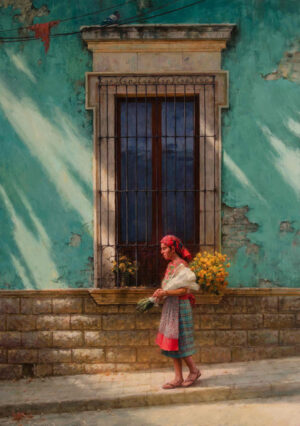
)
(124, 270)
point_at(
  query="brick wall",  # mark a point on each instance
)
(66, 332)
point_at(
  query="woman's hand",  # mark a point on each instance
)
(159, 293)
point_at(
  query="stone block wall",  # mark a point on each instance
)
(66, 332)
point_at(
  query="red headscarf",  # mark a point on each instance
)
(172, 241)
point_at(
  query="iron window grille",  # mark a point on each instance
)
(157, 171)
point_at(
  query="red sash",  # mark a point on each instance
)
(189, 296)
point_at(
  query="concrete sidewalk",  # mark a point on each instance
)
(219, 382)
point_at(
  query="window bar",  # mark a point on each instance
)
(175, 158)
(107, 166)
(146, 160)
(117, 140)
(184, 125)
(204, 164)
(214, 106)
(157, 184)
(166, 161)
(197, 172)
(126, 192)
(136, 178)
(99, 171)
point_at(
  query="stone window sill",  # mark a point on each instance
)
(130, 296)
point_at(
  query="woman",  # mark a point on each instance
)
(175, 335)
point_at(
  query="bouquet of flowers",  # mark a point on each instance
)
(124, 270)
(210, 271)
(184, 277)
(145, 304)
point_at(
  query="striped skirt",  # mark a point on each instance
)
(186, 346)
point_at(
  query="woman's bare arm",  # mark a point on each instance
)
(177, 292)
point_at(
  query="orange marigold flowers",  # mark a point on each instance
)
(210, 271)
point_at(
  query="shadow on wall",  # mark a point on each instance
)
(47, 193)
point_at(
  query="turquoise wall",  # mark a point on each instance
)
(46, 199)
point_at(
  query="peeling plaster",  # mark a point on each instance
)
(286, 226)
(264, 283)
(289, 65)
(235, 227)
(143, 4)
(75, 240)
(27, 12)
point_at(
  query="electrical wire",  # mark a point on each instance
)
(125, 21)
(75, 17)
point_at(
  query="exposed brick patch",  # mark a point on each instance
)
(235, 227)
(288, 67)
(26, 11)
(286, 226)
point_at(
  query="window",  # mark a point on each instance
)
(157, 149)
(157, 184)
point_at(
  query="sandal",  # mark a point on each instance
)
(191, 379)
(172, 385)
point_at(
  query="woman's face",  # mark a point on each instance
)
(167, 252)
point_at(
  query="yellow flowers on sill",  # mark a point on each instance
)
(124, 270)
(210, 271)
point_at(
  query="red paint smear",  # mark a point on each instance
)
(42, 31)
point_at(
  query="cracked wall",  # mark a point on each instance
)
(24, 11)
(235, 229)
(289, 65)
